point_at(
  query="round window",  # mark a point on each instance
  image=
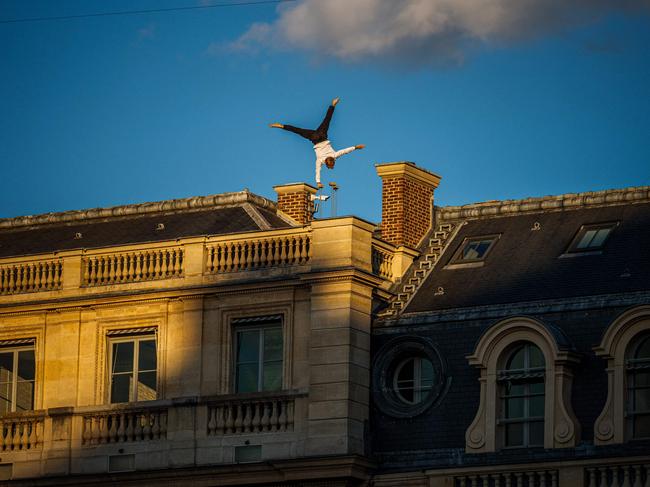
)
(409, 376)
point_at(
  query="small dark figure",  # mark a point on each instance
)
(325, 153)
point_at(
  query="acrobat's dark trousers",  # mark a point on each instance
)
(315, 136)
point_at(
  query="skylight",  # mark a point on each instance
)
(591, 237)
(474, 249)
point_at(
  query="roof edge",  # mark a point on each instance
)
(223, 200)
(568, 201)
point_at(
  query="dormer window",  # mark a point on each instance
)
(474, 249)
(591, 237)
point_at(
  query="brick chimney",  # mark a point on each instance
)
(406, 202)
(294, 200)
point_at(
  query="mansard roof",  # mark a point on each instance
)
(530, 262)
(139, 223)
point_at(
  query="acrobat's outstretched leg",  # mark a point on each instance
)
(306, 133)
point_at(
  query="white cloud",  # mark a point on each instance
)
(418, 30)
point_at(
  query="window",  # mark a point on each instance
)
(134, 364)
(258, 365)
(474, 249)
(522, 397)
(525, 388)
(591, 237)
(17, 379)
(638, 389)
(413, 380)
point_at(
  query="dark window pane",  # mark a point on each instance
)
(585, 240)
(642, 379)
(248, 346)
(247, 378)
(642, 400)
(537, 388)
(407, 393)
(536, 357)
(475, 249)
(407, 371)
(121, 388)
(147, 355)
(426, 374)
(516, 360)
(272, 377)
(515, 389)
(536, 433)
(536, 406)
(272, 344)
(26, 365)
(5, 397)
(600, 237)
(514, 408)
(123, 357)
(643, 351)
(514, 434)
(24, 396)
(642, 426)
(6, 367)
(146, 386)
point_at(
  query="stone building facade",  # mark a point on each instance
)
(234, 340)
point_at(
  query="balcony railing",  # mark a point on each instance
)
(27, 277)
(127, 425)
(145, 265)
(262, 415)
(526, 478)
(21, 433)
(382, 260)
(618, 475)
(258, 253)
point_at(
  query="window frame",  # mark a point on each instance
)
(631, 370)
(135, 337)
(457, 260)
(420, 394)
(261, 327)
(15, 350)
(573, 249)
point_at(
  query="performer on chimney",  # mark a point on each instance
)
(325, 153)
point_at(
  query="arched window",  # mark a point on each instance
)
(413, 379)
(638, 388)
(521, 383)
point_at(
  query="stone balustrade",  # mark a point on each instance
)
(257, 253)
(635, 475)
(19, 433)
(127, 425)
(232, 417)
(144, 265)
(382, 260)
(525, 478)
(27, 277)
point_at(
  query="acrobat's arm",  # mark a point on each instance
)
(342, 152)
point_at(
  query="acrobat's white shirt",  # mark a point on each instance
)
(324, 150)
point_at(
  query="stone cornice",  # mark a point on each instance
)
(223, 200)
(569, 201)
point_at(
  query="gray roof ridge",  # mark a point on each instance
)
(567, 201)
(179, 205)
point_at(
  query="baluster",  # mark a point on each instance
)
(49, 275)
(553, 478)
(273, 420)
(236, 256)
(222, 258)
(163, 423)
(210, 262)
(291, 250)
(626, 476)
(282, 416)
(462, 481)
(265, 417)
(485, 480)
(247, 417)
(264, 252)
(229, 419)
(157, 272)
(238, 419)
(637, 476)
(474, 481)
(283, 250)
(212, 420)
(602, 476)
(496, 478)
(90, 265)
(155, 429)
(12, 278)
(520, 479)
(146, 427)
(3, 436)
(2, 280)
(289, 415)
(15, 436)
(228, 249)
(615, 482)
(220, 418)
(86, 435)
(121, 428)
(33, 434)
(30, 276)
(508, 477)
(129, 428)
(138, 429)
(542, 479)
(112, 428)
(59, 274)
(165, 256)
(591, 482)
(24, 434)
(255, 250)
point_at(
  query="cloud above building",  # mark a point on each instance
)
(419, 31)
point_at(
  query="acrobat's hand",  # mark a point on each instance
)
(276, 125)
(359, 147)
(335, 101)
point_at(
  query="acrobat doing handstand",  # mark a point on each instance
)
(325, 153)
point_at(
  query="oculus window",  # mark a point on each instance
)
(638, 389)
(134, 366)
(591, 237)
(258, 356)
(413, 380)
(17, 378)
(474, 249)
(522, 397)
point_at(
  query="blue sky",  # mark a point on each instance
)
(113, 110)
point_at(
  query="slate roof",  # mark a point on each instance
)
(102, 227)
(528, 265)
